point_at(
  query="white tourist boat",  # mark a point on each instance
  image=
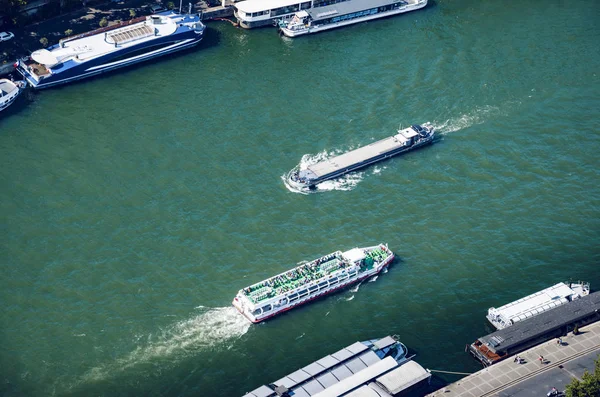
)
(9, 91)
(536, 303)
(311, 280)
(344, 13)
(113, 47)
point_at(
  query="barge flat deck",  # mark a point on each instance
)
(405, 140)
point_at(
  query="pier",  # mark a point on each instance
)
(561, 363)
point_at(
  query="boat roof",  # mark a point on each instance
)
(355, 254)
(249, 6)
(346, 7)
(348, 159)
(403, 377)
(333, 369)
(536, 303)
(6, 87)
(90, 45)
(523, 331)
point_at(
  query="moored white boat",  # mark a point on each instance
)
(338, 14)
(9, 91)
(110, 48)
(536, 303)
(311, 280)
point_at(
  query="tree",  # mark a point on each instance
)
(132, 13)
(589, 386)
(44, 42)
(68, 32)
(170, 5)
(11, 9)
(103, 23)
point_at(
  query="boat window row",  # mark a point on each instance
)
(290, 9)
(323, 3)
(257, 14)
(354, 15)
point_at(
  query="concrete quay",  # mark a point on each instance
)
(533, 378)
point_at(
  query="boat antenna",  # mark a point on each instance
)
(180, 4)
(189, 8)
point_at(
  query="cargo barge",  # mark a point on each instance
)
(405, 140)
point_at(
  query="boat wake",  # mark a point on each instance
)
(373, 278)
(213, 328)
(345, 182)
(478, 116)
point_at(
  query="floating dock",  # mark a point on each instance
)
(532, 378)
(552, 323)
(373, 368)
(537, 303)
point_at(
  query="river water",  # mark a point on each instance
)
(136, 205)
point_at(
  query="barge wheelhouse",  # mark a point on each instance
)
(110, 48)
(311, 280)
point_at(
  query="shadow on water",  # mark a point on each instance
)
(24, 100)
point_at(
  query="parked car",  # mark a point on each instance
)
(5, 36)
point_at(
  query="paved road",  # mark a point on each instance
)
(533, 378)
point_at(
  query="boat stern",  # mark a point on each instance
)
(238, 303)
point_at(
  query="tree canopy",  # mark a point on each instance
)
(588, 386)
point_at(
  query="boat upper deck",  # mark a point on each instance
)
(536, 303)
(312, 271)
(346, 160)
(103, 41)
(347, 7)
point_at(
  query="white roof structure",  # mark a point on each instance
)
(250, 6)
(367, 374)
(355, 254)
(534, 304)
(403, 377)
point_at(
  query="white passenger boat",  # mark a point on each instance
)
(308, 281)
(344, 13)
(110, 48)
(9, 91)
(537, 303)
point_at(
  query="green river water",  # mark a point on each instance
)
(134, 206)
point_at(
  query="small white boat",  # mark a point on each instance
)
(9, 91)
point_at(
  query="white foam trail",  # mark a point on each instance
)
(355, 289)
(346, 182)
(301, 336)
(373, 279)
(349, 299)
(478, 116)
(215, 326)
(327, 314)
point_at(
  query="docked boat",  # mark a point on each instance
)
(338, 14)
(110, 48)
(311, 280)
(9, 91)
(536, 303)
(378, 367)
(405, 140)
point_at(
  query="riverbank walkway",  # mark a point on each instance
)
(561, 363)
